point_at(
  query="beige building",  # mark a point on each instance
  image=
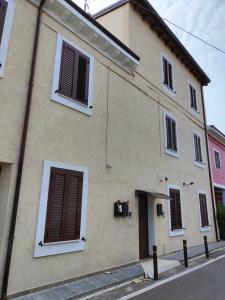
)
(113, 158)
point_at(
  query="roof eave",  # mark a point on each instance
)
(165, 33)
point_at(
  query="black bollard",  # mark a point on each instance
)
(206, 247)
(155, 263)
(185, 253)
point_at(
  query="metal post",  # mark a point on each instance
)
(155, 263)
(185, 253)
(206, 247)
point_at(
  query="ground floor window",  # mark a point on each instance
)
(175, 209)
(203, 210)
(62, 210)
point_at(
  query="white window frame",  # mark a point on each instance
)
(6, 35)
(205, 228)
(169, 151)
(172, 92)
(217, 151)
(190, 84)
(197, 163)
(86, 109)
(65, 246)
(176, 232)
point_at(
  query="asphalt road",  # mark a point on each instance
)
(202, 284)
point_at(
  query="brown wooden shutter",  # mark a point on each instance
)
(74, 74)
(171, 134)
(175, 210)
(170, 76)
(82, 78)
(3, 9)
(168, 132)
(67, 71)
(174, 135)
(64, 206)
(204, 211)
(165, 70)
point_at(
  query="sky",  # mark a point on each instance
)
(206, 19)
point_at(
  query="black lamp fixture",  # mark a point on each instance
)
(187, 184)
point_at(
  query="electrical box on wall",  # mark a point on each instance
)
(159, 209)
(121, 209)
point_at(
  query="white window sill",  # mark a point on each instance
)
(71, 103)
(206, 228)
(195, 112)
(169, 90)
(172, 153)
(200, 164)
(176, 232)
(58, 248)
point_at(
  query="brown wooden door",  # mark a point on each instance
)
(143, 226)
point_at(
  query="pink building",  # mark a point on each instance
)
(217, 158)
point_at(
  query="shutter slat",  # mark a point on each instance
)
(3, 9)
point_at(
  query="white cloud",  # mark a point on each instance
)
(206, 20)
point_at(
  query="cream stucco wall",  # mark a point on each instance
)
(13, 90)
(125, 131)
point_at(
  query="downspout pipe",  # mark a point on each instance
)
(21, 154)
(209, 168)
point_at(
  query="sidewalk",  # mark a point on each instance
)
(118, 277)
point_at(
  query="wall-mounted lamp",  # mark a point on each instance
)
(187, 184)
(163, 179)
(108, 166)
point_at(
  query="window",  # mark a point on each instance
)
(203, 210)
(217, 159)
(6, 18)
(64, 206)
(170, 135)
(193, 99)
(73, 76)
(175, 210)
(3, 9)
(62, 209)
(167, 73)
(197, 147)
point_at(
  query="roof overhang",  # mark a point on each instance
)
(152, 195)
(150, 15)
(83, 25)
(216, 133)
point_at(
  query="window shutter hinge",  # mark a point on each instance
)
(41, 244)
(83, 239)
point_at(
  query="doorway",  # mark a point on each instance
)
(143, 226)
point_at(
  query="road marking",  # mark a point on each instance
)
(146, 289)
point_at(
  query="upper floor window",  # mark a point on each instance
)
(6, 18)
(217, 159)
(197, 148)
(3, 9)
(167, 73)
(73, 76)
(193, 98)
(170, 134)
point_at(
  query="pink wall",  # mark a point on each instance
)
(218, 175)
